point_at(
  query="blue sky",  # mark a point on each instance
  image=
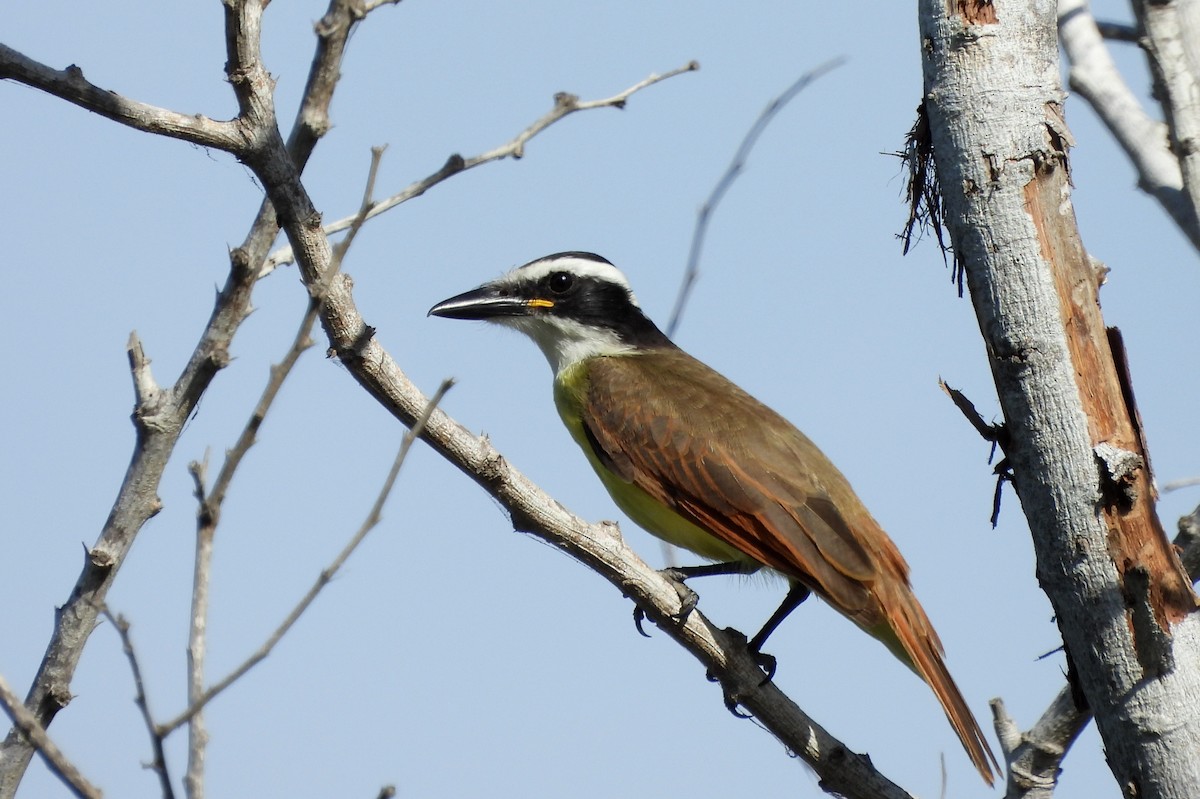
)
(453, 657)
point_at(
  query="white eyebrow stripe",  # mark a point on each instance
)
(583, 267)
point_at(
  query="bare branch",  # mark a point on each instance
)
(248, 77)
(159, 764)
(159, 417)
(1094, 77)
(301, 342)
(211, 504)
(1170, 32)
(323, 579)
(692, 271)
(333, 33)
(1185, 482)
(364, 209)
(206, 521)
(70, 85)
(26, 724)
(564, 105)
(1034, 758)
(996, 434)
(1118, 32)
(567, 104)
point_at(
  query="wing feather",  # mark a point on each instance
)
(703, 458)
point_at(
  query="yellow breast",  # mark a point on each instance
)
(570, 392)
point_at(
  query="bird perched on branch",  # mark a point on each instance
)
(701, 464)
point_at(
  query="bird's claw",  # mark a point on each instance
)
(687, 597)
(767, 663)
(731, 704)
(639, 616)
(687, 600)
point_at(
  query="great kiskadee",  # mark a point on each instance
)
(700, 463)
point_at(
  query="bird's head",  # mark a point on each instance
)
(574, 305)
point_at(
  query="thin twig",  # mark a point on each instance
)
(206, 521)
(1184, 482)
(323, 579)
(301, 341)
(364, 209)
(1118, 31)
(564, 105)
(28, 726)
(159, 764)
(731, 173)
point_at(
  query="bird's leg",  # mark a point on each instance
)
(687, 597)
(795, 596)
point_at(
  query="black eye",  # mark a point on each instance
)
(561, 282)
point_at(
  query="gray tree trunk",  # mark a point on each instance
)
(1126, 610)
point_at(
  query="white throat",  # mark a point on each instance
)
(566, 342)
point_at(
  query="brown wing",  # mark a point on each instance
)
(737, 469)
(748, 476)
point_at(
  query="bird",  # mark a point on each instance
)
(700, 463)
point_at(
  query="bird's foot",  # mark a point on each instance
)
(767, 663)
(687, 600)
(687, 597)
(731, 699)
